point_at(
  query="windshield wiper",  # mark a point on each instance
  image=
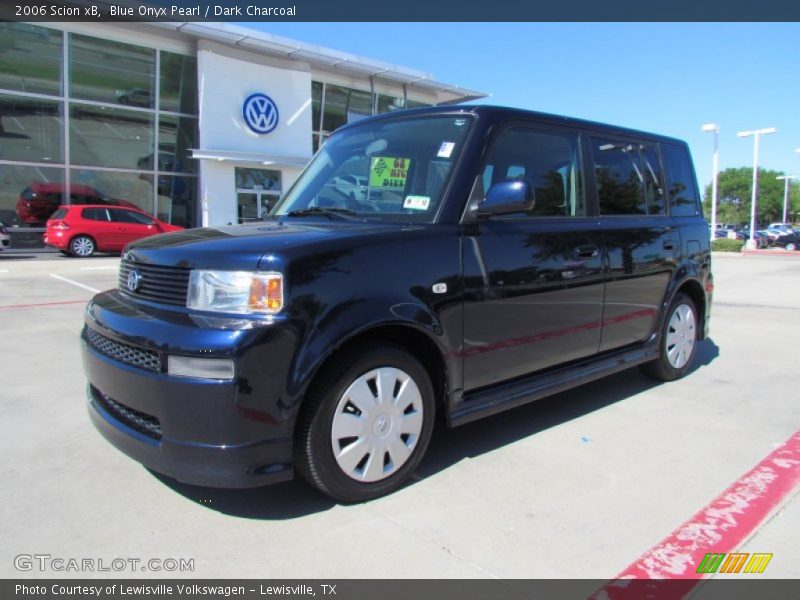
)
(330, 212)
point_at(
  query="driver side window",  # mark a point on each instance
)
(549, 161)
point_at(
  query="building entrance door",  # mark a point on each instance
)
(257, 191)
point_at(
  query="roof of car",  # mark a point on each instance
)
(509, 114)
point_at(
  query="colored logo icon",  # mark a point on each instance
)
(260, 113)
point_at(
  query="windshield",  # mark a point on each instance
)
(383, 170)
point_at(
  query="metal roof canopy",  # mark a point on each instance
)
(321, 58)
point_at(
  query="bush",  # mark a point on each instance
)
(726, 245)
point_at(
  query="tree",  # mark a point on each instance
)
(736, 189)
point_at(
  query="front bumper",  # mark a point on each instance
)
(230, 434)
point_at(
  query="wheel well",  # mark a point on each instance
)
(695, 291)
(414, 342)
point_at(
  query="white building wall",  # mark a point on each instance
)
(226, 78)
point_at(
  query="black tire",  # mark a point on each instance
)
(326, 401)
(82, 246)
(664, 368)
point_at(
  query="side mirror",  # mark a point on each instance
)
(507, 197)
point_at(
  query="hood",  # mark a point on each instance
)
(241, 247)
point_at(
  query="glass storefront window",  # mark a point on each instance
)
(176, 137)
(30, 58)
(316, 104)
(344, 105)
(31, 130)
(134, 190)
(178, 85)
(112, 72)
(110, 137)
(29, 195)
(175, 200)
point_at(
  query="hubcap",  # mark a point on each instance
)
(83, 246)
(680, 336)
(377, 424)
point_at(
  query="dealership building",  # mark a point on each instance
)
(195, 123)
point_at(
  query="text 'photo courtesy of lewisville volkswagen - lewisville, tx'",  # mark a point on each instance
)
(278, 310)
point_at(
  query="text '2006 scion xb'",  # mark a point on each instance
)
(446, 262)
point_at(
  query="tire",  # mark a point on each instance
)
(791, 247)
(354, 441)
(678, 341)
(82, 246)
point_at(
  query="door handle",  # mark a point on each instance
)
(669, 245)
(585, 252)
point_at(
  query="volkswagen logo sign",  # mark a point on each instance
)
(134, 280)
(260, 113)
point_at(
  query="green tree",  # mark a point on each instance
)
(735, 192)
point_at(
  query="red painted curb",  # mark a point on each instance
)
(668, 571)
(44, 304)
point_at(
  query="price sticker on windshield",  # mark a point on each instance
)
(389, 172)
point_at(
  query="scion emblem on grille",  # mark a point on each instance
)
(134, 280)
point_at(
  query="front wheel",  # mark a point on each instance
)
(678, 341)
(366, 423)
(791, 247)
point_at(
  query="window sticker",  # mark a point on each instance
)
(388, 172)
(446, 149)
(417, 202)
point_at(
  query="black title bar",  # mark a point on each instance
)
(399, 10)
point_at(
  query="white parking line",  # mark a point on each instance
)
(114, 130)
(80, 285)
(4, 271)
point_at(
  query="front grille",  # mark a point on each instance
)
(135, 419)
(130, 355)
(167, 285)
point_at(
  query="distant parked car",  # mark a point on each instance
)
(789, 241)
(39, 200)
(83, 230)
(5, 239)
(134, 97)
(762, 240)
(352, 186)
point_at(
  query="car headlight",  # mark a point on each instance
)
(235, 291)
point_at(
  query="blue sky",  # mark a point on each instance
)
(667, 78)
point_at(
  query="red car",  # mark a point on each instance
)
(82, 230)
(39, 200)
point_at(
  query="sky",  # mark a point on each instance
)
(667, 78)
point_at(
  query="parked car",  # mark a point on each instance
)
(134, 97)
(762, 239)
(5, 239)
(788, 241)
(327, 339)
(353, 186)
(83, 230)
(39, 200)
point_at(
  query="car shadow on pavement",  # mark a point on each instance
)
(295, 498)
(449, 446)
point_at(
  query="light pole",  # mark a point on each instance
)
(787, 179)
(715, 128)
(757, 133)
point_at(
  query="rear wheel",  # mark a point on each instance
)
(82, 246)
(678, 341)
(791, 247)
(366, 423)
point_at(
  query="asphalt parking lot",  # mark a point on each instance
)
(579, 485)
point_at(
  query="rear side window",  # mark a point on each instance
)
(549, 161)
(628, 178)
(59, 214)
(683, 195)
(95, 214)
(129, 216)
